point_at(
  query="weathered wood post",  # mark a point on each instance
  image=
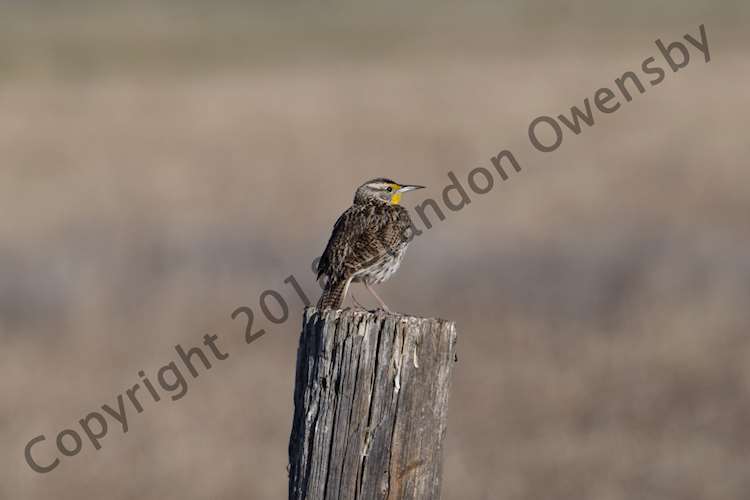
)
(370, 406)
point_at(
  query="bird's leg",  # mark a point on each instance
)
(346, 289)
(382, 304)
(354, 299)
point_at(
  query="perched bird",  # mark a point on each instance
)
(368, 241)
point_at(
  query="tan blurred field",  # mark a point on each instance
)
(164, 163)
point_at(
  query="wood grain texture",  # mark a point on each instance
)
(370, 406)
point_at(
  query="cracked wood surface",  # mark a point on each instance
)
(370, 406)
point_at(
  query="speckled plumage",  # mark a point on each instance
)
(367, 245)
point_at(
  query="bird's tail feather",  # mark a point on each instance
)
(333, 294)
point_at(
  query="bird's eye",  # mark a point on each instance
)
(389, 189)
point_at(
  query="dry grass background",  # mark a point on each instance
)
(163, 163)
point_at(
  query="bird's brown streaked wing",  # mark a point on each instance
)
(397, 231)
(345, 229)
(360, 237)
(383, 234)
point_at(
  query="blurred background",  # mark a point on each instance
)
(165, 162)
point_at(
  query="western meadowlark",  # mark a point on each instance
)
(368, 241)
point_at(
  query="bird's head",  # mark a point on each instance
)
(382, 190)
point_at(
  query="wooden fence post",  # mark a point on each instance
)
(370, 406)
